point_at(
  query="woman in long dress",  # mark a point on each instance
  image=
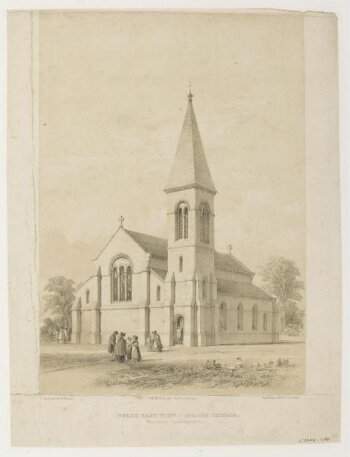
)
(135, 353)
(149, 342)
(129, 342)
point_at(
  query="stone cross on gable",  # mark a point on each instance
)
(121, 219)
(229, 249)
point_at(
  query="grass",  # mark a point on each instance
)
(209, 374)
(77, 369)
(63, 361)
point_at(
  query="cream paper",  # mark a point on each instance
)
(160, 420)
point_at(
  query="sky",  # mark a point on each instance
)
(113, 94)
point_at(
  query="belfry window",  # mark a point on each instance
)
(181, 221)
(204, 218)
(121, 280)
(158, 293)
(87, 296)
(185, 218)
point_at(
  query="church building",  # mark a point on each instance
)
(181, 286)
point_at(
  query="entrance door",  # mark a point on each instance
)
(179, 329)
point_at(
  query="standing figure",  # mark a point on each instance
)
(111, 344)
(61, 338)
(149, 342)
(157, 345)
(120, 348)
(135, 353)
(129, 343)
(179, 335)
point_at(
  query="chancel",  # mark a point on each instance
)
(180, 286)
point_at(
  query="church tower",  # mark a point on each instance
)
(190, 283)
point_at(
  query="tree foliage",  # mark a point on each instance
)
(59, 300)
(294, 316)
(49, 328)
(280, 277)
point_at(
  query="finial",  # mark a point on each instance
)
(190, 95)
(229, 247)
(121, 219)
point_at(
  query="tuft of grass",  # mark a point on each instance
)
(212, 365)
(284, 363)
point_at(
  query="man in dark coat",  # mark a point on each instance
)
(111, 344)
(120, 348)
(157, 345)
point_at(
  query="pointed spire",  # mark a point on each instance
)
(190, 167)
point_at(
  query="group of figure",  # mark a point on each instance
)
(122, 349)
(154, 343)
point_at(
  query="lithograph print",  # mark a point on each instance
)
(171, 204)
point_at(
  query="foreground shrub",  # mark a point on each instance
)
(212, 365)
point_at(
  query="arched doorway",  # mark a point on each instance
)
(179, 322)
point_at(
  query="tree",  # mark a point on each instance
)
(294, 316)
(49, 328)
(59, 300)
(280, 278)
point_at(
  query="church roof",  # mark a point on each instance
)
(230, 263)
(156, 246)
(241, 289)
(190, 167)
(160, 272)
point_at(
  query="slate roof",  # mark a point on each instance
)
(230, 263)
(241, 289)
(190, 167)
(161, 273)
(159, 247)
(156, 246)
